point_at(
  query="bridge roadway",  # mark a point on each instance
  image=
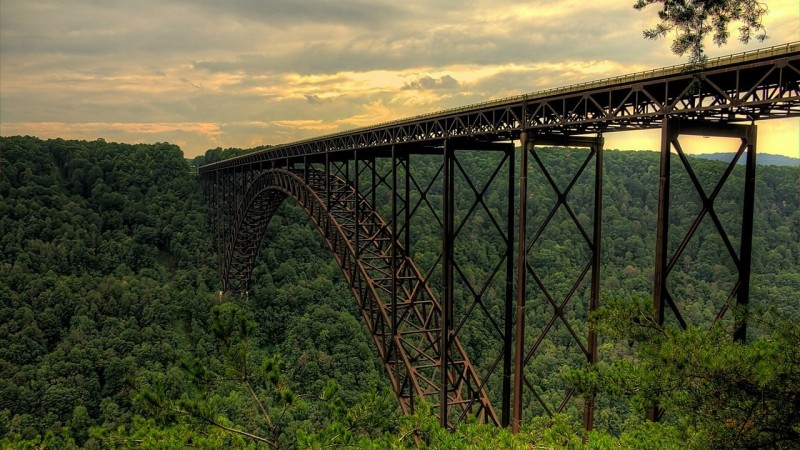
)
(751, 86)
(417, 315)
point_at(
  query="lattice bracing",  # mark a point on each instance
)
(401, 312)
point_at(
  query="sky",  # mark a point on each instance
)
(242, 73)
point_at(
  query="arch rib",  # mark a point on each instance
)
(411, 353)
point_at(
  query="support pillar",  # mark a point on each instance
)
(594, 301)
(662, 230)
(407, 209)
(522, 261)
(447, 280)
(356, 204)
(394, 255)
(328, 181)
(586, 344)
(508, 356)
(671, 131)
(746, 246)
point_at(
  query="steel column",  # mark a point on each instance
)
(374, 199)
(448, 203)
(328, 180)
(746, 245)
(522, 258)
(394, 354)
(594, 301)
(356, 202)
(407, 235)
(407, 209)
(662, 231)
(508, 331)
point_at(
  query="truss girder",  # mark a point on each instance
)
(739, 89)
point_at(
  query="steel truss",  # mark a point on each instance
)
(412, 172)
(758, 85)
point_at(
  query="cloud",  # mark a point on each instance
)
(315, 125)
(315, 99)
(371, 113)
(428, 82)
(87, 128)
(356, 13)
(272, 71)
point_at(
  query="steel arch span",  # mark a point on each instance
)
(401, 313)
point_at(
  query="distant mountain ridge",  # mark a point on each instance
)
(762, 159)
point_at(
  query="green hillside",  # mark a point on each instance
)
(113, 332)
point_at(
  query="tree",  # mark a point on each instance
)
(693, 20)
(717, 392)
(239, 369)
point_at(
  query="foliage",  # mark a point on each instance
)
(108, 282)
(421, 430)
(364, 421)
(718, 393)
(143, 433)
(236, 370)
(693, 20)
(105, 273)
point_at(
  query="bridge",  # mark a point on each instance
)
(369, 189)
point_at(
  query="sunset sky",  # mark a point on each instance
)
(241, 73)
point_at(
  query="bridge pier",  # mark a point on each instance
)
(526, 269)
(446, 300)
(671, 132)
(464, 299)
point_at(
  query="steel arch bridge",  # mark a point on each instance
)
(367, 191)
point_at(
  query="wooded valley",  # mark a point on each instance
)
(114, 332)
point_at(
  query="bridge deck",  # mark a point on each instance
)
(743, 87)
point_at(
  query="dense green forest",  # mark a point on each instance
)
(113, 332)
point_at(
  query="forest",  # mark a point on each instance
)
(114, 332)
